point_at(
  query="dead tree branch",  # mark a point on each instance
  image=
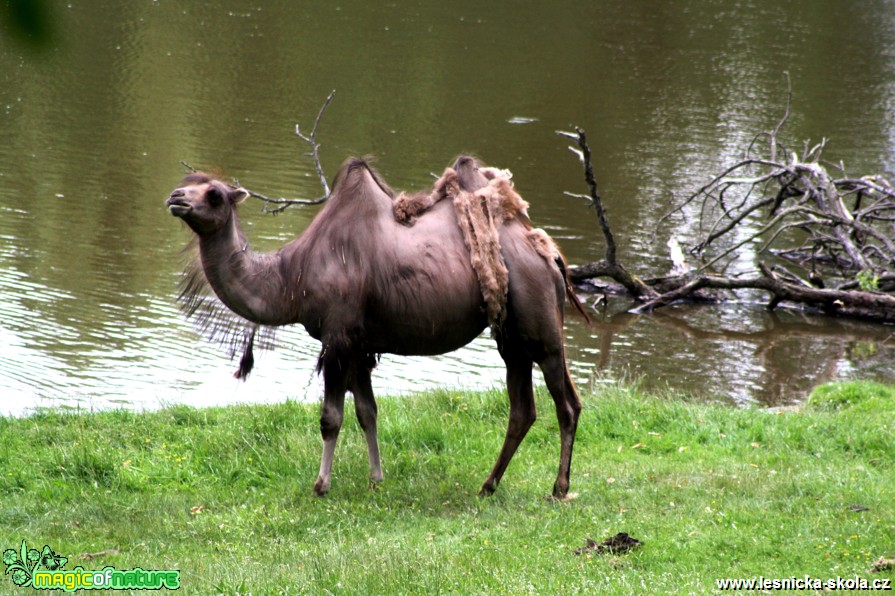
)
(840, 231)
(315, 146)
(611, 267)
(282, 204)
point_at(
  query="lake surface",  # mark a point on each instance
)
(95, 120)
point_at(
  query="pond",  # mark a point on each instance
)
(96, 117)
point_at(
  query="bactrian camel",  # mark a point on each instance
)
(366, 280)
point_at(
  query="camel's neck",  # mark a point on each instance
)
(249, 284)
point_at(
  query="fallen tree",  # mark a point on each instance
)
(824, 242)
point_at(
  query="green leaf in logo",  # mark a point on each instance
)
(50, 560)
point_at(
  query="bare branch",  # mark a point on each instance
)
(315, 146)
(776, 131)
(617, 271)
(282, 204)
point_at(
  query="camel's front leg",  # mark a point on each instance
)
(365, 408)
(335, 381)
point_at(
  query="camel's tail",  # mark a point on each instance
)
(546, 247)
(570, 289)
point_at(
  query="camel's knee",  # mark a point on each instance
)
(367, 413)
(575, 407)
(330, 421)
(567, 415)
(563, 392)
(571, 394)
(521, 420)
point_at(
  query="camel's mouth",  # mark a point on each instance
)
(178, 206)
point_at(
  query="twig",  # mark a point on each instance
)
(773, 139)
(312, 141)
(314, 154)
(283, 203)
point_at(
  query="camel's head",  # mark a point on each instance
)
(205, 203)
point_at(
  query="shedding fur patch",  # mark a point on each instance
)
(479, 213)
(213, 319)
(476, 217)
(543, 244)
(408, 207)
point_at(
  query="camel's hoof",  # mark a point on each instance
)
(563, 498)
(320, 489)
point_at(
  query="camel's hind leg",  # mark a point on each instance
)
(522, 412)
(365, 408)
(568, 408)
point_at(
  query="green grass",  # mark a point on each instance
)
(224, 495)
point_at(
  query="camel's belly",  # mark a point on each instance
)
(427, 298)
(425, 321)
(422, 342)
(425, 311)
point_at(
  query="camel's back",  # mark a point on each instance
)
(411, 289)
(405, 289)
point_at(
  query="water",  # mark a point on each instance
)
(95, 122)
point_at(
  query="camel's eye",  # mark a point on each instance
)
(214, 196)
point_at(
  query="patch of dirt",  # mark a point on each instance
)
(102, 553)
(620, 543)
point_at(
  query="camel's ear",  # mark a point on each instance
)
(239, 195)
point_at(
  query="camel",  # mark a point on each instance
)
(364, 283)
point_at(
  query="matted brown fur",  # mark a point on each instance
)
(408, 206)
(479, 213)
(476, 215)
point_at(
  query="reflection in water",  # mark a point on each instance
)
(94, 127)
(738, 353)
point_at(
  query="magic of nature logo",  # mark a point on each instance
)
(45, 570)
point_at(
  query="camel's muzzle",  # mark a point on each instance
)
(177, 204)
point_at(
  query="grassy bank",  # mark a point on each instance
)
(224, 495)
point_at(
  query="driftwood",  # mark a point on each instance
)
(825, 242)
